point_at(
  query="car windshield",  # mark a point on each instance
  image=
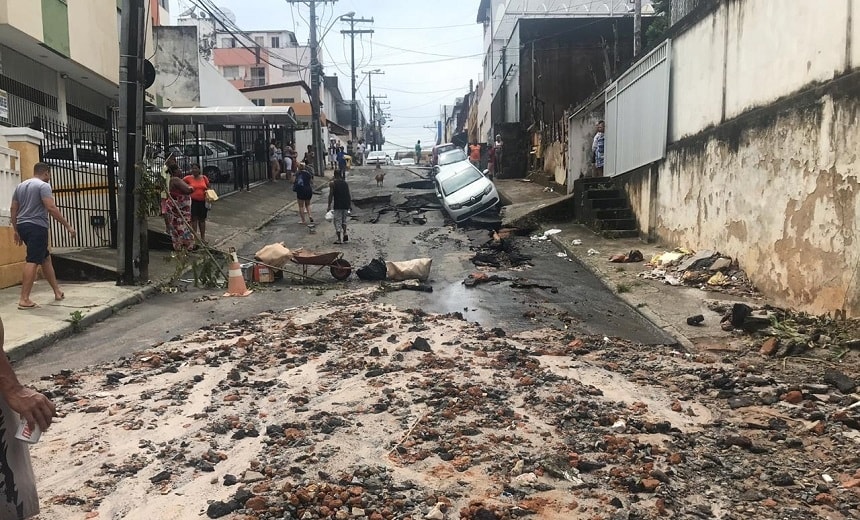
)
(377, 154)
(460, 180)
(451, 157)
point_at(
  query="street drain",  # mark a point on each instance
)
(417, 185)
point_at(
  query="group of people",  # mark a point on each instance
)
(338, 154)
(185, 207)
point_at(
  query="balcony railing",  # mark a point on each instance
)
(255, 82)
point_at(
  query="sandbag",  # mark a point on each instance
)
(373, 272)
(417, 269)
(275, 255)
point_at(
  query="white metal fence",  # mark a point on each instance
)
(637, 113)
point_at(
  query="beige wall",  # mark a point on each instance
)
(12, 256)
(25, 15)
(734, 61)
(93, 36)
(697, 77)
(762, 163)
(763, 63)
(779, 191)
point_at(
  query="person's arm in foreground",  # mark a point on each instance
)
(33, 407)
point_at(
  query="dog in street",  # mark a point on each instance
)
(379, 178)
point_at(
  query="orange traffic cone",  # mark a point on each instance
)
(235, 281)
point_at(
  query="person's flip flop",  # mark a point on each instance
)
(27, 307)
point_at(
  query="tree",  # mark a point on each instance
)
(660, 23)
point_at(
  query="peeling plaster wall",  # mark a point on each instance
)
(763, 156)
(778, 191)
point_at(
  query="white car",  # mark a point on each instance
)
(378, 157)
(407, 161)
(464, 191)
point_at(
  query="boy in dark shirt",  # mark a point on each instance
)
(340, 203)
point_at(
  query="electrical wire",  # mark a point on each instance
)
(233, 29)
(424, 92)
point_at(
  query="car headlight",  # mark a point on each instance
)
(488, 189)
(455, 206)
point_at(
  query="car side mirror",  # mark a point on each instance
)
(486, 173)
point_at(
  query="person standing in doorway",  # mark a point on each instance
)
(339, 203)
(20, 499)
(32, 203)
(475, 154)
(598, 149)
(418, 153)
(199, 212)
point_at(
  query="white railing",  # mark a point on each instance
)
(10, 178)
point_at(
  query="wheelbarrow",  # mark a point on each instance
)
(340, 269)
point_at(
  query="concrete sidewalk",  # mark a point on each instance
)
(86, 303)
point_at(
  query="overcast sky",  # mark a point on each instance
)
(428, 50)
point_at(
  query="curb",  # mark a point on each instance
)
(645, 312)
(29, 348)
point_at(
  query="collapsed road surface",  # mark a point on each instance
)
(533, 394)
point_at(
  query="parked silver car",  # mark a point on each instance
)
(463, 190)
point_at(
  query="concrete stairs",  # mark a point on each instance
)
(603, 207)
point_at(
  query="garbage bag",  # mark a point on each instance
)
(417, 269)
(374, 271)
(276, 255)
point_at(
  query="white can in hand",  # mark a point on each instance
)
(27, 433)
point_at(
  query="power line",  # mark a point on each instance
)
(428, 61)
(424, 92)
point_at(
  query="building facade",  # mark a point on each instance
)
(59, 61)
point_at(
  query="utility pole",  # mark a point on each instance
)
(637, 28)
(370, 74)
(379, 120)
(352, 32)
(316, 72)
(130, 126)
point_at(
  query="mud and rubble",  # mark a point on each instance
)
(357, 410)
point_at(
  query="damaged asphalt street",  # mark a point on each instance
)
(520, 387)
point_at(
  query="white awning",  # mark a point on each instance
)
(280, 115)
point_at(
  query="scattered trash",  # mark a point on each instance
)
(374, 271)
(546, 234)
(633, 256)
(695, 320)
(706, 269)
(479, 278)
(417, 269)
(561, 255)
(419, 287)
(592, 252)
(576, 242)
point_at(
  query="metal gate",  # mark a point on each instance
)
(637, 113)
(84, 164)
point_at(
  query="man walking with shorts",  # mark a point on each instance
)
(32, 202)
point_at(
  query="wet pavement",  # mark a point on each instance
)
(391, 223)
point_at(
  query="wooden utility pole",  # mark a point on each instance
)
(637, 28)
(352, 32)
(370, 73)
(316, 73)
